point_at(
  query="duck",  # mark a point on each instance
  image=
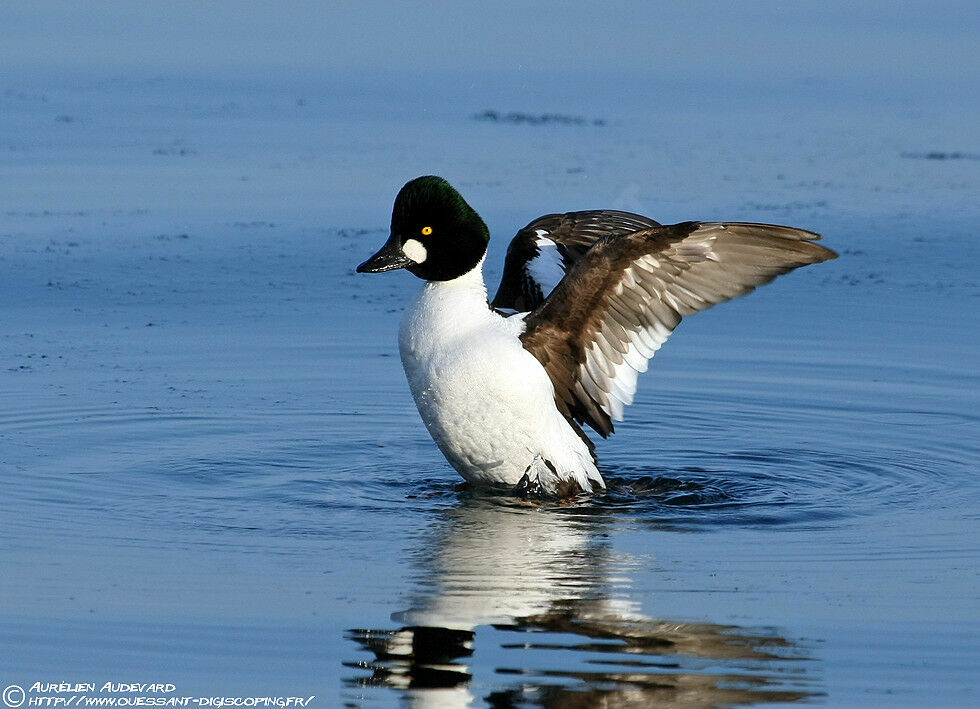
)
(505, 386)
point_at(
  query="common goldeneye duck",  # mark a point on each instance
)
(585, 300)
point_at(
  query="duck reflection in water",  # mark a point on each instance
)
(527, 606)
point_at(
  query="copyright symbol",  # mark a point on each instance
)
(13, 695)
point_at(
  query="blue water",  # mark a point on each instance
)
(211, 470)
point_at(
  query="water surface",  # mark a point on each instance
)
(211, 470)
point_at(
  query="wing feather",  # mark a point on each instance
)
(541, 253)
(621, 299)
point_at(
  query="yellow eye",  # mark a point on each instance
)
(426, 230)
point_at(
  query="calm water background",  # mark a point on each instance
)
(211, 470)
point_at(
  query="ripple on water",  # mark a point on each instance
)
(214, 470)
(116, 472)
(753, 488)
(786, 486)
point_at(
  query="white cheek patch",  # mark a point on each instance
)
(414, 250)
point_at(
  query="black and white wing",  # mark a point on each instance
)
(621, 300)
(543, 252)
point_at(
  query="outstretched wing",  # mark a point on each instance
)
(543, 252)
(620, 301)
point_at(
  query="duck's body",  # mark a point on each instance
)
(595, 295)
(487, 402)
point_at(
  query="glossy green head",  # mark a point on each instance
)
(435, 234)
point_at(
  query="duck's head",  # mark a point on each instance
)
(435, 234)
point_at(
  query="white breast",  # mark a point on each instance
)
(486, 401)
